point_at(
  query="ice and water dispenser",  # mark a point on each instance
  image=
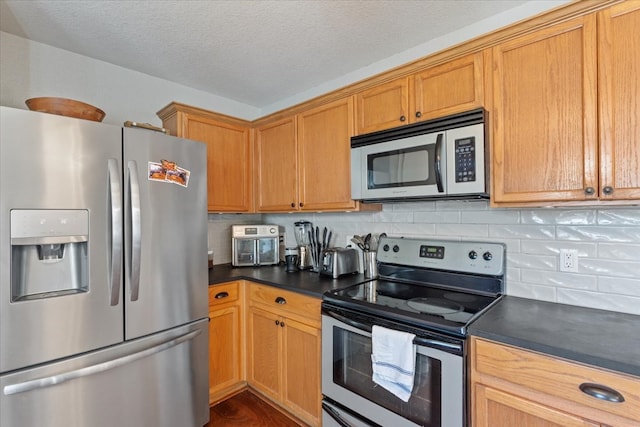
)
(49, 253)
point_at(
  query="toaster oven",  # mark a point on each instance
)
(254, 245)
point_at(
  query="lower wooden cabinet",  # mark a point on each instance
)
(283, 347)
(515, 387)
(226, 340)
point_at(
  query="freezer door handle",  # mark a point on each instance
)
(136, 229)
(115, 192)
(100, 367)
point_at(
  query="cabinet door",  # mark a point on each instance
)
(228, 162)
(276, 166)
(301, 370)
(324, 144)
(496, 408)
(619, 97)
(382, 107)
(452, 87)
(544, 121)
(264, 351)
(225, 350)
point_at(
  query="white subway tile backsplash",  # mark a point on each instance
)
(599, 233)
(472, 231)
(614, 302)
(558, 216)
(537, 262)
(605, 267)
(560, 279)
(619, 251)
(625, 216)
(522, 231)
(617, 285)
(545, 247)
(607, 240)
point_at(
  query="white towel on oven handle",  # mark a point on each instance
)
(393, 359)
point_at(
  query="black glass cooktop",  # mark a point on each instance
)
(420, 305)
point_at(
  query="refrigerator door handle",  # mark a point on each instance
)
(136, 229)
(95, 369)
(115, 192)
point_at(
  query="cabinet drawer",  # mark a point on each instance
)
(285, 302)
(223, 293)
(557, 377)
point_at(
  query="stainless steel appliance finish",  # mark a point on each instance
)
(338, 262)
(430, 288)
(102, 274)
(443, 158)
(254, 245)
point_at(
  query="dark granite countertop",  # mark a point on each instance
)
(600, 338)
(304, 282)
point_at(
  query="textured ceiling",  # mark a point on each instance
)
(256, 52)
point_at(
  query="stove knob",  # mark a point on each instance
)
(385, 248)
(473, 255)
(396, 248)
(488, 256)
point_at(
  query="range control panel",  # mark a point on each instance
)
(486, 258)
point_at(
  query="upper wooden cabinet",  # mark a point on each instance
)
(302, 161)
(324, 150)
(277, 166)
(565, 118)
(452, 87)
(229, 165)
(619, 101)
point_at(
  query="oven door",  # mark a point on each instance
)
(408, 167)
(437, 399)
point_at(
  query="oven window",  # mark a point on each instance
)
(401, 168)
(352, 370)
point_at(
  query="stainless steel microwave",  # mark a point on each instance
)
(441, 158)
(254, 245)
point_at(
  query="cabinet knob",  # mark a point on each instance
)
(403, 118)
(281, 300)
(418, 114)
(589, 191)
(282, 324)
(293, 205)
(301, 204)
(602, 392)
(607, 190)
(277, 322)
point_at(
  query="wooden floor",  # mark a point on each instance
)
(247, 410)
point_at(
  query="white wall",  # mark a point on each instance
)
(30, 69)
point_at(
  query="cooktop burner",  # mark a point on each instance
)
(442, 285)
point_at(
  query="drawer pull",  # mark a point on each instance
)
(602, 392)
(221, 295)
(281, 300)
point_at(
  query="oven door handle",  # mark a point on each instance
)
(423, 342)
(335, 415)
(353, 323)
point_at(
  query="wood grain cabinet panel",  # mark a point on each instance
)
(226, 343)
(229, 154)
(619, 101)
(284, 349)
(512, 385)
(452, 87)
(565, 112)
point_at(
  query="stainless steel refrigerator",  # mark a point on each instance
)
(103, 275)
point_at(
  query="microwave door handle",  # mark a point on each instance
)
(256, 252)
(438, 162)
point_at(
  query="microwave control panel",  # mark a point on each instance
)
(465, 152)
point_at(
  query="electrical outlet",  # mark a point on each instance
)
(569, 260)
